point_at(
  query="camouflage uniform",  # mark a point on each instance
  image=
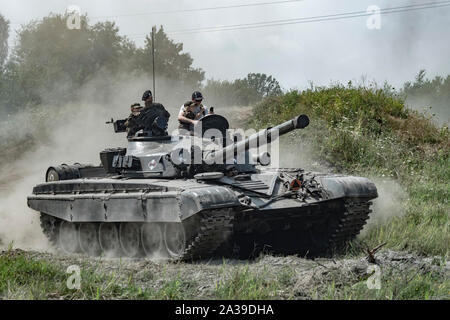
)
(131, 122)
(132, 125)
(186, 112)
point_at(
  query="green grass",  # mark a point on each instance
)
(393, 286)
(22, 277)
(370, 132)
(25, 278)
(176, 289)
(243, 284)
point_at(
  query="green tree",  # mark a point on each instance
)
(109, 49)
(221, 93)
(170, 60)
(4, 35)
(263, 85)
(50, 57)
(243, 92)
(432, 95)
(48, 53)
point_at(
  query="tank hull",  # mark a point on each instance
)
(207, 217)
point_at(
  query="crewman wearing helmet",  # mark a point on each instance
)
(191, 112)
(148, 99)
(132, 123)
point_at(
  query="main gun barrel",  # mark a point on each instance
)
(260, 138)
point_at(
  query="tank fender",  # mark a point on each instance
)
(109, 207)
(64, 172)
(348, 186)
(195, 200)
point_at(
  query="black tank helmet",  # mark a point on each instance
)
(147, 94)
(197, 95)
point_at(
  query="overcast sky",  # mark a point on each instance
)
(321, 52)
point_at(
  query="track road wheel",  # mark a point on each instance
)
(88, 237)
(175, 239)
(68, 237)
(152, 240)
(108, 236)
(129, 237)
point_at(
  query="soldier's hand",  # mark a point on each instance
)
(194, 122)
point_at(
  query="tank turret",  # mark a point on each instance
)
(209, 148)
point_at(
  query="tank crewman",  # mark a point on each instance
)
(148, 99)
(131, 123)
(186, 113)
(191, 112)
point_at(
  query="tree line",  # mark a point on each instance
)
(432, 94)
(49, 57)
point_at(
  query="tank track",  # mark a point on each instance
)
(308, 236)
(49, 227)
(214, 230)
(216, 227)
(351, 223)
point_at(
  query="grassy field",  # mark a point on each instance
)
(33, 275)
(370, 132)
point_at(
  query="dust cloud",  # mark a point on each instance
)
(66, 133)
(392, 197)
(390, 203)
(437, 111)
(296, 152)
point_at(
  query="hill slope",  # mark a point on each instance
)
(370, 132)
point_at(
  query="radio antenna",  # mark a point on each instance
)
(153, 62)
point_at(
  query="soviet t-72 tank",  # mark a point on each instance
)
(159, 198)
